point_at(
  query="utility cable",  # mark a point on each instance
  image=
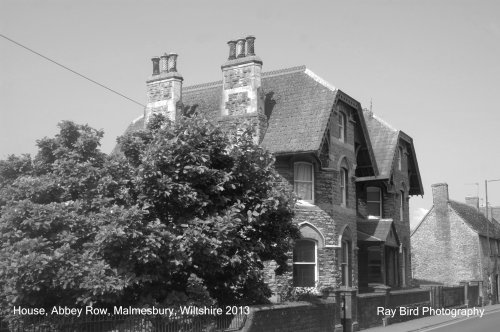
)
(71, 70)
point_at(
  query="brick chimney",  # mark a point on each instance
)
(164, 87)
(472, 201)
(242, 95)
(440, 196)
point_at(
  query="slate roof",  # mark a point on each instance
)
(384, 140)
(298, 101)
(375, 230)
(299, 118)
(476, 220)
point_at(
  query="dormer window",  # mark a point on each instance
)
(374, 201)
(342, 127)
(303, 181)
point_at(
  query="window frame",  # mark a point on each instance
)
(346, 263)
(379, 202)
(400, 158)
(404, 254)
(295, 181)
(342, 123)
(315, 263)
(401, 205)
(344, 180)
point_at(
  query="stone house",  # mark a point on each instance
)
(353, 172)
(455, 242)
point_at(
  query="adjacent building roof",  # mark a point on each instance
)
(476, 220)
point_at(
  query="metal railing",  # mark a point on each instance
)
(183, 323)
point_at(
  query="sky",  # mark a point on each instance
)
(427, 67)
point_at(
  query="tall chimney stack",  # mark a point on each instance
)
(242, 95)
(164, 88)
(440, 196)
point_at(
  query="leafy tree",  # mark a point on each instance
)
(51, 211)
(187, 214)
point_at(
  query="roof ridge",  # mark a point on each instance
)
(202, 85)
(320, 80)
(284, 71)
(375, 116)
(264, 74)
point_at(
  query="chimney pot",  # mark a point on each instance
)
(172, 62)
(240, 48)
(164, 60)
(250, 45)
(232, 49)
(156, 65)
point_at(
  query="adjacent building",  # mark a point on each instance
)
(353, 172)
(455, 242)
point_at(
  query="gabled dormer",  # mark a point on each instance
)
(395, 155)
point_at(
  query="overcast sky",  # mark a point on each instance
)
(431, 68)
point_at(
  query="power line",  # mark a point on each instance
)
(71, 70)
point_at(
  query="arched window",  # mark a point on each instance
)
(304, 263)
(346, 258)
(303, 181)
(343, 185)
(342, 127)
(344, 182)
(346, 263)
(374, 201)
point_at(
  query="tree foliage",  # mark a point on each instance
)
(187, 214)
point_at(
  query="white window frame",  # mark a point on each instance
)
(309, 263)
(400, 158)
(344, 177)
(401, 205)
(345, 263)
(342, 126)
(295, 181)
(379, 201)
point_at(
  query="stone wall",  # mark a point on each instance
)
(445, 250)
(297, 317)
(328, 217)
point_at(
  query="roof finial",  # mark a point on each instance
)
(371, 105)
